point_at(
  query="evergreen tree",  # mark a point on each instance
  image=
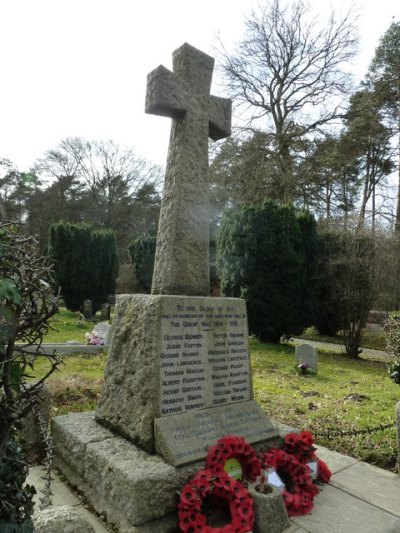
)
(261, 256)
(85, 263)
(142, 253)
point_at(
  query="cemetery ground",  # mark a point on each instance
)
(346, 394)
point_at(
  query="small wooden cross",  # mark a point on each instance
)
(182, 264)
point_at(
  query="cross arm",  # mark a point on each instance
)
(164, 95)
(220, 110)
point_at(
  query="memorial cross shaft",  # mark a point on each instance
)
(182, 262)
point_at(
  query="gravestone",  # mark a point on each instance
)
(105, 312)
(99, 334)
(305, 353)
(178, 373)
(88, 309)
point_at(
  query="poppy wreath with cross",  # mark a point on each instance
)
(301, 445)
(300, 490)
(219, 485)
(233, 447)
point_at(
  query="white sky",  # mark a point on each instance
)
(78, 67)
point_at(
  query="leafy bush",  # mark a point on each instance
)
(392, 337)
(85, 263)
(264, 254)
(16, 505)
(142, 253)
(26, 305)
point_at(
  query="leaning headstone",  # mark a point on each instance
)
(99, 334)
(105, 312)
(88, 309)
(398, 436)
(305, 353)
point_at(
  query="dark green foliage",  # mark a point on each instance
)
(263, 256)
(85, 263)
(16, 505)
(142, 252)
(327, 321)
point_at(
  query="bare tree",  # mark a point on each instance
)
(291, 73)
(111, 181)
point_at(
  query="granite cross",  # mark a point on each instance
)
(182, 253)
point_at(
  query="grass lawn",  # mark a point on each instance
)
(345, 394)
(67, 327)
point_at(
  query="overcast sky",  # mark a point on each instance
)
(78, 67)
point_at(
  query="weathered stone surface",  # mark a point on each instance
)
(182, 439)
(305, 353)
(270, 511)
(61, 519)
(398, 436)
(129, 485)
(72, 433)
(173, 354)
(182, 254)
(129, 398)
(141, 485)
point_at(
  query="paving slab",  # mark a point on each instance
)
(62, 495)
(371, 484)
(336, 511)
(335, 461)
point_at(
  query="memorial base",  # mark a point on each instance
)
(135, 490)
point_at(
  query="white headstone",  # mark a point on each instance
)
(305, 353)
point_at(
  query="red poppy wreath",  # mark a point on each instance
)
(221, 486)
(233, 447)
(300, 490)
(302, 446)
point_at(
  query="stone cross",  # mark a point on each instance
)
(182, 253)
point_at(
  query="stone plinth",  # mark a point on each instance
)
(177, 355)
(132, 487)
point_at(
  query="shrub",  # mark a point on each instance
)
(26, 305)
(262, 257)
(351, 276)
(392, 338)
(142, 253)
(85, 263)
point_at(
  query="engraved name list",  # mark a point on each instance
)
(204, 360)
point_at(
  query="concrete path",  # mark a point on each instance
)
(367, 353)
(360, 498)
(63, 495)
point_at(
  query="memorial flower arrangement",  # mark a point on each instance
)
(291, 463)
(299, 492)
(301, 445)
(219, 486)
(233, 447)
(305, 368)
